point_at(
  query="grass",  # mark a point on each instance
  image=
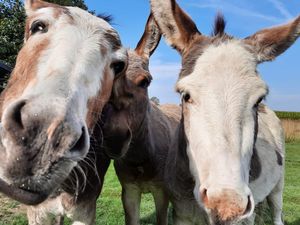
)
(288, 115)
(110, 211)
(292, 185)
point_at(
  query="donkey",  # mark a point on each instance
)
(235, 153)
(76, 198)
(137, 133)
(50, 108)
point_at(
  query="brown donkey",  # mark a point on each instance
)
(234, 144)
(51, 106)
(137, 133)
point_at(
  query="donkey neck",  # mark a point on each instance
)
(151, 139)
(178, 178)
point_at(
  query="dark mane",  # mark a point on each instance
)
(106, 17)
(219, 25)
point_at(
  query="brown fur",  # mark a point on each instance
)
(189, 29)
(146, 42)
(226, 206)
(185, 34)
(138, 133)
(57, 13)
(111, 37)
(269, 43)
(96, 104)
(37, 4)
(53, 126)
(23, 75)
(46, 156)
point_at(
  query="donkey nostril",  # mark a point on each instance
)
(80, 145)
(249, 206)
(14, 118)
(204, 196)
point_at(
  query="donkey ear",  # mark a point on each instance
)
(176, 26)
(32, 5)
(150, 39)
(269, 43)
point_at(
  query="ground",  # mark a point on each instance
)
(110, 212)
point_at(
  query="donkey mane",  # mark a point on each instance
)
(108, 18)
(219, 25)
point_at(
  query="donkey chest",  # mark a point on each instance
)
(137, 173)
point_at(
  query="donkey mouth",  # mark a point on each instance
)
(22, 195)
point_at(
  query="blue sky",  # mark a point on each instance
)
(244, 17)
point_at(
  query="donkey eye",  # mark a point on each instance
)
(118, 67)
(186, 97)
(144, 83)
(38, 26)
(258, 102)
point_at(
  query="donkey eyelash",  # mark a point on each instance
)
(38, 26)
(262, 98)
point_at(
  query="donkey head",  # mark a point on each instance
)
(221, 91)
(129, 102)
(62, 79)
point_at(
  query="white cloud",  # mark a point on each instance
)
(165, 75)
(281, 8)
(162, 69)
(231, 8)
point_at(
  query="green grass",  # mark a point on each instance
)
(110, 211)
(288, 115)
(292, 185)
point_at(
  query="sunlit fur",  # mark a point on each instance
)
(65, 75)
(60, 74)
(223, 87)
(234, 144)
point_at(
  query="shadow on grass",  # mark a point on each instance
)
(296, 222)
(151, 218)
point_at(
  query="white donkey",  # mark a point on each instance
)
(236, 156)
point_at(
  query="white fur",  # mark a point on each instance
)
(64, 74)
(70, 71)
(219, 123)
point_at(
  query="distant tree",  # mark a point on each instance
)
(12, 21)
(155, 100)
(12, 18)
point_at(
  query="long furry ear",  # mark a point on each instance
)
(176, 26)
(150, 39)
(269, 43)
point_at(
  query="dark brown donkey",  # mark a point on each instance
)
(138, 133)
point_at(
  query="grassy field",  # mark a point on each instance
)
(288, 115)
(291, 129)
(110, 212)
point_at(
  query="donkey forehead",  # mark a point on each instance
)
(63, 16)
(85, 19)
(227, 64)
